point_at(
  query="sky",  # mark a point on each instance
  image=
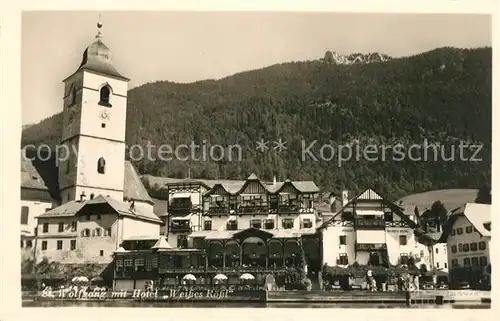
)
(192, 46)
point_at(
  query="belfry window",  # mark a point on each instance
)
(101, 166)
(104, 95)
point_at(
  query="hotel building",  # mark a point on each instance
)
(229, 227)
(369, 229)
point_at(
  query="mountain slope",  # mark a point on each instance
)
(441, 96)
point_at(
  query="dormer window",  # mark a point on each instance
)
(104, 94)
(101, 166)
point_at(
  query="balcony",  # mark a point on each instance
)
(370, 224)
(180, 206)
(288, 209)
(215, 210)
(253, 210)
(180, 226)
(370, 247)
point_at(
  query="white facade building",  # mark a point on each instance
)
(468, 236)
(370, 230)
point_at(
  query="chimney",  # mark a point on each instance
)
(345, 197)
(82, 197)
(92, 196)
(274, 180)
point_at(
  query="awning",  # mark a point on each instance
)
(182, 218)
(369, 212)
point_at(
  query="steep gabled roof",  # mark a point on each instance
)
(369, 194)
(476, 214)
(73, 208)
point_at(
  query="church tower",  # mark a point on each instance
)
(94, 121)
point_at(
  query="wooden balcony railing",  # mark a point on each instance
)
(253, 209)
(369, 224)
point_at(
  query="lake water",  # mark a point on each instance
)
(198, 304)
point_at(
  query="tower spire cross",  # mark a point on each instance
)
(99, 26)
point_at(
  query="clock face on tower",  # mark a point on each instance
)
(104, 115)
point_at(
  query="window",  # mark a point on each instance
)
(256, 223)
(119, 265)
(44, 245)
(128, 264)
(73, 226)
(460, 247)
(148, 265)
(482, 246)
(101, 165)
(468, 229)
(388, 217)
(454, 263)
(232, 225)
(466, 247)
(45, 227)
(88, 217)
(483, 261)
(453, 232)
(97, 232)
(103, 125)
(445, 265)
(307, 223)
(487, 226)
(347, 217)
(25, 210)
(342, 240)
(403, 259)
(154, 262)
(402, 240)
(287, 223)
(475, 261)
(139, 265)
(22, 244)
(269, 224)
(86, 232)
(59, 244)
(467, 261)
(343, 259)
(60, 228)
(29, 244)
(104, 94)
(453, 249)
(98, 216)
(460, 231)
(107, 232)
(101, 253)
(182, 242)
(72, 244)
(473, 247)
(437, 265)
(437, 251)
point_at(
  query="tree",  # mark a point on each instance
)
(484, 195)
(423, 268)
(439, 213)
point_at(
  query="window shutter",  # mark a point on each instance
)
(338, 261)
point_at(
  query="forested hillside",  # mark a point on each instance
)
(443, 96)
